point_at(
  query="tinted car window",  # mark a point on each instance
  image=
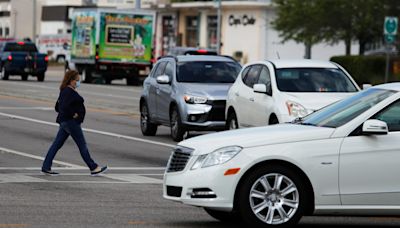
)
(313, 80)
(341, 112)
(252, 76)
(391, 116)
(207, 72)
(169, 70)
(160, 69)
(24, 47)
(264, 77)
(245, 71)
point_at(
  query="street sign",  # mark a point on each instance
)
(390, 26)
(390, 38)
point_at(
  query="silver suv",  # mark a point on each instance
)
(187, 93)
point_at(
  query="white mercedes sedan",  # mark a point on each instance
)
(343, 159)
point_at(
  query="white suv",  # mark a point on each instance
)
(278, 91)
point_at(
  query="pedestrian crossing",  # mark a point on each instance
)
(119, 175)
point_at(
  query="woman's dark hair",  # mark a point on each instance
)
(68, 77)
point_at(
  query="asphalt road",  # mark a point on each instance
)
(129, 195)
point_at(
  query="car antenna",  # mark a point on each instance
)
(277, 54)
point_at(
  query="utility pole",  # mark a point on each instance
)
(219, 28)
(34, 22)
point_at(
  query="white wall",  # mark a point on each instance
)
(52, 27)
(245, 38)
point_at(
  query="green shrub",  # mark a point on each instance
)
(367, 69)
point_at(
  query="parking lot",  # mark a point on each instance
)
(129, 195)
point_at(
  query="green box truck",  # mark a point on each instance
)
(112, 44)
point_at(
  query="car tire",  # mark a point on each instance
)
(273, 120)
(232, 122)
(262, 206)
(40, 77)
(4, 75)
(148, 128)
(224, 216)
(177, 129)
(60, 59)
(24, 77)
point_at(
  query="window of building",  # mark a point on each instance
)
(212, 25)
(192, 31)
(7, 31)
(168, 33)
(1, 31)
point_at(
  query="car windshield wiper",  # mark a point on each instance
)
(307, 124)
(297, 120)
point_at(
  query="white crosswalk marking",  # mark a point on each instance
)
(134, 178)
(19, 178)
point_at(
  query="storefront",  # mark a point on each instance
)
(246, 31)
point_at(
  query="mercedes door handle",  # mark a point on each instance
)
(251, 99)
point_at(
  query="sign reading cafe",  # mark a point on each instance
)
(244, 20)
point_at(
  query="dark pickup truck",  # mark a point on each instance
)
(22, 58)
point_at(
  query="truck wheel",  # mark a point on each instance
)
(60, 59)
(86, 75)
(40, 77)
(177, 129)
(147, 127)
(24, 77)
(132, 81)
(4, 74)
(272, 196)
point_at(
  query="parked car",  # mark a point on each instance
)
(279, 91)
(175, 51)
(340, 160)
(22, 58)
(187, 93)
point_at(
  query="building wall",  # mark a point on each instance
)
(23, 23)
(54, 27)
(5, 21)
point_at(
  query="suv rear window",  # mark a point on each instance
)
(23, 47)
(207, 72)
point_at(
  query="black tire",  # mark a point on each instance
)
(60, 59)
(86, 75)
(108, 81)
(224, 216)
(148, 128)
(4, 75)
(24, 77)
(40, 77)
(133, 80)
(177, 129)
(253, 181)
(273, 120)
(232, 122)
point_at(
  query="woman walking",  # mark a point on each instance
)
(71, 113)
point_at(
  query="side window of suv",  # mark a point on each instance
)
(252, 76)
(169, 70)
(160, 69)
(391, 115)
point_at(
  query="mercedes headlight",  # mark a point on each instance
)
(219, 156)
(295, 109)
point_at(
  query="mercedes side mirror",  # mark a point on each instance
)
(374, 127)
